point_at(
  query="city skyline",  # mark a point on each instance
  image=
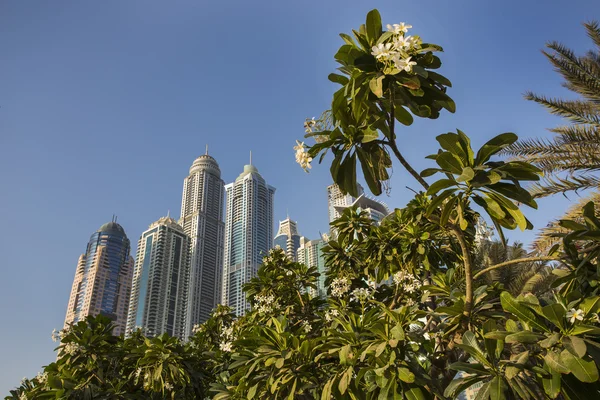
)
(105, 105)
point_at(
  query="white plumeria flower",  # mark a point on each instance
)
(302, 156)
(403, 42)
(309, 124)
(225, 347)
(382, 50)
(307, 327)
(339, 287)
(399, 28)
(168, 386)
(54, 335)
(404, 63)
(574, 315)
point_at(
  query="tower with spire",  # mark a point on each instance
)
(202, 220)
(248, 233)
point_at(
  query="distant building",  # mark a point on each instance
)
(248, 234)
(287, 238)
(375, 209)
(102, 283)
(202, 220)
(160, 290)
(310, 253)
(337, 201)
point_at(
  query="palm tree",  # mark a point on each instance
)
(571, 159)
(522, 278)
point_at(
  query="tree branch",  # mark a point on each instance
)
(511, 262)
(468, 269)
(392, 143)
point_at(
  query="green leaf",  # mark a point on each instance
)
(471, 368)
(343, 384)
(414, 393)
(550, 341)
(447, 210)
(575, 345)
(555, 313)
(523, 337)
(590, 305)
(460, 384)
(376, 86)
(405, 375)
(293, 390)
(493, 146)
(450, 162)
(554, 361)
(252, 392)
(397, 332)
(439, 185)
(509, 304)
(369, 135)
(336, 78)
(326, 394)
(466, 175)
(583, 370)
(497, 388)
(279, 363)
(552, 384)
(373, 25)
(402, 115)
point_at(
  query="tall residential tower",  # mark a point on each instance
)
(102, 283)
(160, 291)
(202, 220)
(287, 238)
(248, 233)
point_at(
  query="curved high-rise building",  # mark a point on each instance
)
(202, 220)
(102, 283)
(288, 238)
(248, 233)
(160, 290)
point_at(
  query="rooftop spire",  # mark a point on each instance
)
(250, 157)
(207, 149)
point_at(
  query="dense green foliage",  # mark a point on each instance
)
(417, 307)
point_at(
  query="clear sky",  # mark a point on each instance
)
(104, 105)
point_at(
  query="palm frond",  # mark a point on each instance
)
(548, 236)
(593, 31)
(577, 111)
(550, 185)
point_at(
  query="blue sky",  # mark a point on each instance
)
(104, 105)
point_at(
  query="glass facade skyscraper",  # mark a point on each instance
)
(160, 290)
(310, 253)
(337, 199)
(248, 234)
(102, 283)
(202, 220)
(287, 238)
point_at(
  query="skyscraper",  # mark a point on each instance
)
(336, 199)
(160, 289)
(287, 238)
(310, 253)
(248, 233)
(202, 220)
(375, 209)
(102, 283)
